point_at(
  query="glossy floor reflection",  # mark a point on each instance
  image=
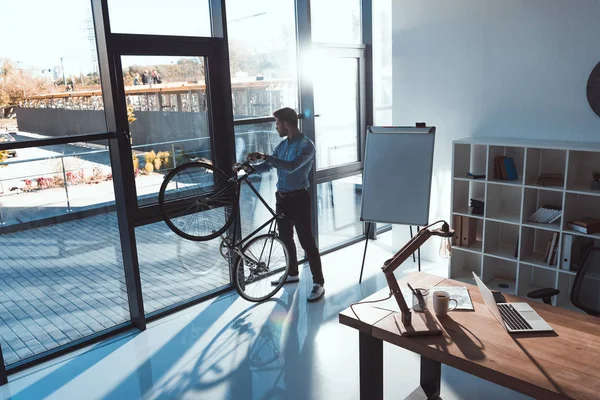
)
(228, 348)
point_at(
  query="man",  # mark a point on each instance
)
(293, 158)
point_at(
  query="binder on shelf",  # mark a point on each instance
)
(468, 231)
(457, 226)
(567, 245)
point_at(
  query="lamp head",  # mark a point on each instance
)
(444, 231)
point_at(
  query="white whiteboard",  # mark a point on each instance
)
(397, 175)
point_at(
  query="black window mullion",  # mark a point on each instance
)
(113, 94)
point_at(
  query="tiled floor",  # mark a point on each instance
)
(228, 348)
(62, 282)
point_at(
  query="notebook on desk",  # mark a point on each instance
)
(514, 317)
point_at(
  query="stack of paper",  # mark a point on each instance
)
(546, 214)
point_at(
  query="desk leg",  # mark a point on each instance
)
(431, 375)
(371, 367)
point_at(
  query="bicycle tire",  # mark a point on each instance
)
(271, 258)
(206, 195)
(198, 257)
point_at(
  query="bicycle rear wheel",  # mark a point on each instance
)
(265, 259)
(197, 201)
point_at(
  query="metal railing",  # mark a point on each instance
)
(33, 195)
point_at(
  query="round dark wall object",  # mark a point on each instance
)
(593, 90)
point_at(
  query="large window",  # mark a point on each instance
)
(60, 281)
(39, 73)
(157, 17)
(79, 254)
(168, 117)
(335, 21)
(262, 56)
(339, 211)
(382, 62)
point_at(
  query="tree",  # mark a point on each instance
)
(15, 86)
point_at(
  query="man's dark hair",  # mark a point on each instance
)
(288, 115)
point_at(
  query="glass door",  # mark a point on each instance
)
(338, 87)
(168, 115)
(339, 111)
(173, 95)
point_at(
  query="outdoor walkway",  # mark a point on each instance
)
(63, 282)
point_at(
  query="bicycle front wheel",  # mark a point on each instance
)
(197, 201)
(262, 269)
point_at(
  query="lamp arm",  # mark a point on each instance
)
(390, 266)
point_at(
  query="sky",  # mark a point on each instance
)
(43, 31)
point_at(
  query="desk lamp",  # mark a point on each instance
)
(425, 323)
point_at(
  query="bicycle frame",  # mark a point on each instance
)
(274, 216)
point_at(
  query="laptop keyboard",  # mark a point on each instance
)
(512, 318)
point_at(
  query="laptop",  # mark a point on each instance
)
(515, 317)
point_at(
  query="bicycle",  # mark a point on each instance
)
(199, 202)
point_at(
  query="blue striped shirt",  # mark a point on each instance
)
(293, 159)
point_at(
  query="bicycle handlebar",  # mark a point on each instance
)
(246, 166)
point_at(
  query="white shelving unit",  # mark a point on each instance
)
(508, 253)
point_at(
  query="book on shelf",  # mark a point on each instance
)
(550, 180)
(546, 214)
(475, 175)
(505, 169)
(551, 250)
(585, 225)
(477, 205)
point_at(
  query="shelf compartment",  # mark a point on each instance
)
(533, 278)
(462, 238)
(517, 154)
(534, 243)
(462, 194)
(469, 158)
(580, 206)
(579, 175)
(503, 202)
(463, 264)
(501, 240)
(544, 161)
(536, 198)
(500, 274)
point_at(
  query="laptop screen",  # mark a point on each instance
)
(488, 299)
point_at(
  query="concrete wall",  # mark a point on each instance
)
(510, 68)
(149, 127)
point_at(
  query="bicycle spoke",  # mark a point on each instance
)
(201, 207)
(265, 260)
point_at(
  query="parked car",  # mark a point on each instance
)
(7, 137)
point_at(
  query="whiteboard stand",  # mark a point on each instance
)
(397, 175)
(370, 227)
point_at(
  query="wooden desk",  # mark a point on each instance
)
(558, 365)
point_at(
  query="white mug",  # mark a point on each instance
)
(441, 303)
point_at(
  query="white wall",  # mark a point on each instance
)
(502, 68)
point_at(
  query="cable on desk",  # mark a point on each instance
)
(365, 302)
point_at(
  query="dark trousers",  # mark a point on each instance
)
(296, 208)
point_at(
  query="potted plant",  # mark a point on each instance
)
(595, 184)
